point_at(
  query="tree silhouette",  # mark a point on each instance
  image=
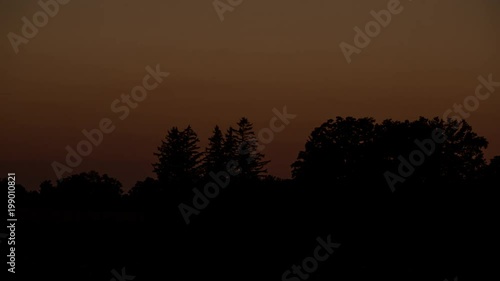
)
(230, 145)
(214, 159)
(178, 158)
(48, 193)
(492, 173)
(335, 150)
(85, 191)
(23, 197)
(249, 159)
(342, 150)
(147, 194)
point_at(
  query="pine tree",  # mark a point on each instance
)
(230, 147)
(192, 168)
(178, 158)
(250, 160)
(214, 159)
(168, 157)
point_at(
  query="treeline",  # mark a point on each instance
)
(430, 226)
(358, 153)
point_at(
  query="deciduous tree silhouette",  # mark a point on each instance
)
(351, 150)
(84, 191)
(492, 171)
(335, 150)
(147, 194)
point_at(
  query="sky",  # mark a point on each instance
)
(264, 55)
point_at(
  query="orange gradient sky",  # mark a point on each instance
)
(265, 54)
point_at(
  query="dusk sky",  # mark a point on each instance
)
(264, 55)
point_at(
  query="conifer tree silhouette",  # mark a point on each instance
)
(230, 146)
(178, 158)
(250, 160)
(214, 159)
